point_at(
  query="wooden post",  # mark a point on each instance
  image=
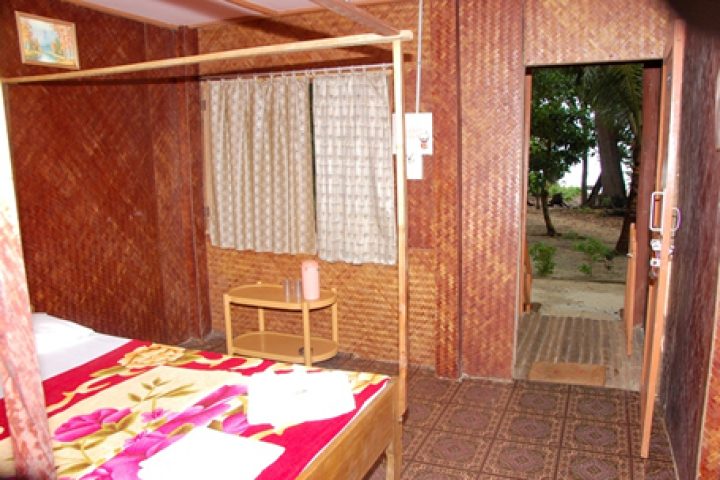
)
(629, 308)
(401, 223)
(19, 369)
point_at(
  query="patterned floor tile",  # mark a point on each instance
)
(422, 413)
(452, 450)
(423, 471)
(604, 392)
(633, 411)
(599, 408)
(430, 387)
(412, 439)
(610, 438)
(653, 470)
(659, 443)
(521, 461)
(386, 368)
(377, 472)
(539, 402)
(579, 465)
(529, 428)
(467, 419)
(483, 394)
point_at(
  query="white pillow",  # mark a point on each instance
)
(53, 333)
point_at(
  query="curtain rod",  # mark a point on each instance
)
(307, 71)
(283, 48)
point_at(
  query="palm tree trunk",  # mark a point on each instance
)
(594, 193)
(621, 246)
(546, 214)
(611, 173)
(583, 180)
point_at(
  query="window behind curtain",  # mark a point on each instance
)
(261, 165)
(354, 169)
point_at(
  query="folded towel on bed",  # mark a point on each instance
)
(291, 398)
(207, 453)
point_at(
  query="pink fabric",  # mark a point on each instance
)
(19, 369)
(302, 442)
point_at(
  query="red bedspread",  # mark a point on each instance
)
(108, 415)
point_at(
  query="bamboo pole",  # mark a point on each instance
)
(294, 47)
(401, 222)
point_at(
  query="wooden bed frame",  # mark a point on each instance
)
(354, 451)
(378, 427)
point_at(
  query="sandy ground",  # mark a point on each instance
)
(567, 291)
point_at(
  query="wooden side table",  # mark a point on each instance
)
(274, 345)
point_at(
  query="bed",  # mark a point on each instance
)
(115, 404)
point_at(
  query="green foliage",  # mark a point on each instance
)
(595, 252)
(562, 127)
(568, 193)
(571, 235)
(543, 258)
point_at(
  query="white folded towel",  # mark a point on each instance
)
(207, 453)
(291, 398)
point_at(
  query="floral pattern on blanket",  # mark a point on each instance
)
(142, 398)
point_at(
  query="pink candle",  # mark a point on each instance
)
(310, 280)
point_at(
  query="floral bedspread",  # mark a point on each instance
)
(110, 414)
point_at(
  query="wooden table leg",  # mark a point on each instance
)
(306, 334)
(261, 319)
(334, 309)
(228, 325)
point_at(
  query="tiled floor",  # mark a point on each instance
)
(483, 430)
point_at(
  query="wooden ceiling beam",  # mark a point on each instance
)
(253, 7)
(357, 15)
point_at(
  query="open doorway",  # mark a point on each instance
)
(584, 147)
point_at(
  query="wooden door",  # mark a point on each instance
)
(668, 159)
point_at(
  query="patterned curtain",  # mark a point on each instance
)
(261, 173)
(354, 168)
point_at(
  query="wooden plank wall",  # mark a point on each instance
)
(691, 361)
(104, 184)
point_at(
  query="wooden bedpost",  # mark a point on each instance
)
(19, 370)
(401, 222)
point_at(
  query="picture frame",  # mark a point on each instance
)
(47, 41)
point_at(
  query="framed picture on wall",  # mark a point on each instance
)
(46, 41)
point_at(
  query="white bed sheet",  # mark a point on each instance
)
(61, 360)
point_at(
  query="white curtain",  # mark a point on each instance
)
(354, 168)
(261, 172)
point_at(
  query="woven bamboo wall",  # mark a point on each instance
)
(491, 79)
(691, 361)
(98, 246)
(368, 318)
(446, 185)
(591, 31)
(367, 300)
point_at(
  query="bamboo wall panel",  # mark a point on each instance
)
(367, 300)
(446, 185)
(589, 31)
(84, 156)
(491, 79)
(402, 15)
(691, 361)
(174, 113)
